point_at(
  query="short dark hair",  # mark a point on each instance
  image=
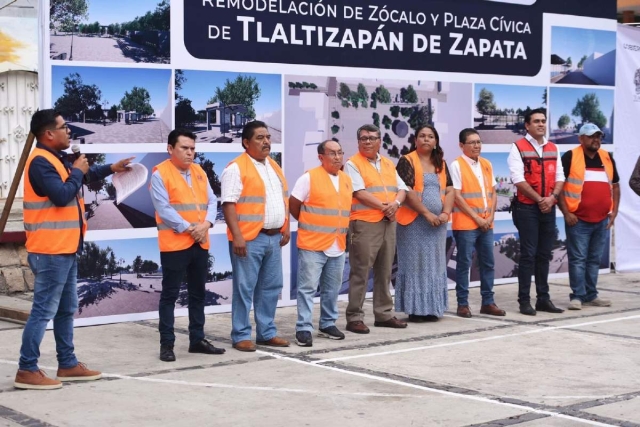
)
(323, 144)
(368, 128)
(464, 134)
(43, 120)
(527, 116)
(249, 129)
(176, 133)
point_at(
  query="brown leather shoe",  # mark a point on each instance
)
(35, 380)
(464, 311)
(492, 310)
(80, 372)
(391, 323)
(275, 342)
(245, 345)
(357, 327)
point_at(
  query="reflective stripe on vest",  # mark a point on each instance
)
(324, 218)
(51, 229)
(405, 214)
(189, 202)
(472, 194)
(574, 184)
(250, 207)
(383, 185)
(538, 169)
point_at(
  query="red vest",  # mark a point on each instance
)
(539, 172)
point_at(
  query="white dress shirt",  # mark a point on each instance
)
(274, 211)
(356, 177)
(456, 176)
(516, 166)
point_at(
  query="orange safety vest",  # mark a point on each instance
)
(405, 214)
(573, 185)
(250, 206)
(51, 229)
(539, 172)
(472, 194)
(382, 185)
(325, 216)
(190, 203)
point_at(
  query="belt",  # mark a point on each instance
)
(270, 232)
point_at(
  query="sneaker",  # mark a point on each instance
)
(304, 339)
(598, 302)
(575, 304)
(35, 380)
(331, 332)
(80, 372)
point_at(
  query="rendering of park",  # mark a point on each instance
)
(571, 107)
(110, 30)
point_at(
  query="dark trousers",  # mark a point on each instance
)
(537, 233)
(189, 264)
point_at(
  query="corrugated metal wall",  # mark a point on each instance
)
(18, 101)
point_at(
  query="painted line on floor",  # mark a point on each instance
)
(442, 392)
(473, 341)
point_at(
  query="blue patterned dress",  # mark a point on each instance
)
(421, 281)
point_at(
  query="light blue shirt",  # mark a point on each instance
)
(167, 213)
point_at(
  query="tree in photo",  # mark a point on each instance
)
(78, 98)
(588, 109)
(582, 60)
(408, 95)
(564, 121)
(179, 79)
(485, 103)
(149, 266)
(66, 14)
(186, 116)
(276, 156)
(344, 92)
(112, 114)
(511, 249)
(363, 95)
(137, 264)
(244, 90)
(569, 61)
(544, 97)
(93, 261)
(422, 115)
(112, 264)
(137, 100)
(207, 165)
(96, 186)
(383, 95)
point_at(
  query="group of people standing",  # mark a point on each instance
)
(367, 206)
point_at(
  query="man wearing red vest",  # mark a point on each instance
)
(185, 211)
(55, 226)
(472, 222)
(589, 203)
(378, 192)
(321, 202)
(256, 208)
(536, 171)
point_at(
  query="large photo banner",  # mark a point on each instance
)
(124, 74)
(627, 149)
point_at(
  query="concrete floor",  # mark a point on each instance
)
(572, 369)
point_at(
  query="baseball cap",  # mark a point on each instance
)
(589, 129)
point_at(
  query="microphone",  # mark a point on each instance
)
(76, 150)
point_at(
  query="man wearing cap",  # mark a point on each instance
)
(589, 202)
(536, 171)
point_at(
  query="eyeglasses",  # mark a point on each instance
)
(371, 139)
(473, 143)
(596, 135)
(64, 126)
(334, 154)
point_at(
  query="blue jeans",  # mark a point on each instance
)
(466, 241)
(54, 297)
(585, 244)
(257, 278)
(189, 264)
(537, 233)
(316, 268)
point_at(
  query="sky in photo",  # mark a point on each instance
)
(507, 96)
(219, 248)
(576, 42)
(129, 249)
(114, 82)
(119, 11)
(562, 100)
(498, 162)
(201, 85)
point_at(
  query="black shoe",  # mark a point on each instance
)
(547, 306)
(332, 332)
(166, 353)
(304, 339)
(205, 347)
(416, 318)
(526, 309)
(430, 318)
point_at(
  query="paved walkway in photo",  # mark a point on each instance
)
(499, 136)
(107, 216)
(576, 78)
(104, 49)
(151, 130)
(574, 369)
(215, 136)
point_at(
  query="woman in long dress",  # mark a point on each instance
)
(421, 280)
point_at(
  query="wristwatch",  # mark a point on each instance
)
(555, 196)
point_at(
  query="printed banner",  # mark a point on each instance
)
(125, 73)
